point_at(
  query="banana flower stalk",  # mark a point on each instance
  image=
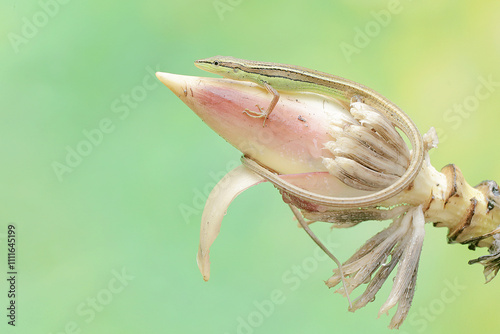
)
(315, 144)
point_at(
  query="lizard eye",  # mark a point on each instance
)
(216, 63)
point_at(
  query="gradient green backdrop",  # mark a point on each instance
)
(70, 67)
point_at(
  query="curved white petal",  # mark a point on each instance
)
(230, 186)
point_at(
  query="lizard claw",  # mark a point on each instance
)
(257, 114)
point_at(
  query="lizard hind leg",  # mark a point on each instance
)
(305, 226)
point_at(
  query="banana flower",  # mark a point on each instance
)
(315, 144)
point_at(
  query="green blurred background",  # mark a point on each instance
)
(70, 67)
